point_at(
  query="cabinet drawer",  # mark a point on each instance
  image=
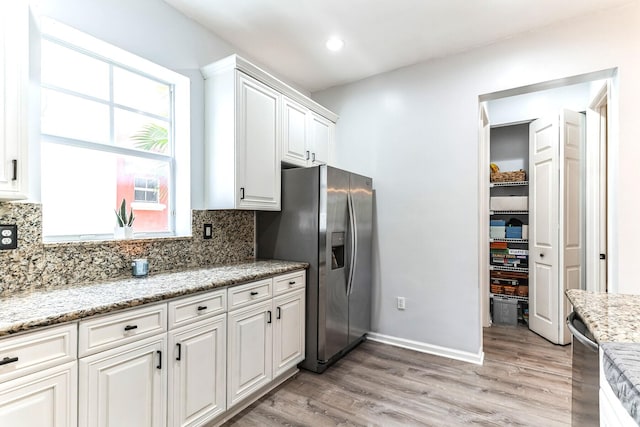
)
(240, 296)
(34, 351)
(289, 282)
(187, 310)
(112, 330)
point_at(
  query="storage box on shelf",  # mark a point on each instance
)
(510, 176)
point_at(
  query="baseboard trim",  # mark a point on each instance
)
(464, 356)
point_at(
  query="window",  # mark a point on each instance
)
(146, 190)
(114, 126)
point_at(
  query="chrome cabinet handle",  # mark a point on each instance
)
(307, 155)
(313, 157)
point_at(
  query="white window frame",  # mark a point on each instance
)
(180, 201)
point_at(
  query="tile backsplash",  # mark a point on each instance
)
(35, 265)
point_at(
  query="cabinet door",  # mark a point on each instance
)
(14, 49)
(249, 355)
(294, 133)
(44, 399)
(197, 372)
(125, 386)
(257, 145)
(288, 332)
(321, 138)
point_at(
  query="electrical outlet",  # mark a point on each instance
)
(8, 236)
(208, 231)
(401, 303)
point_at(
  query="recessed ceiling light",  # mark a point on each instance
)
(334, 44)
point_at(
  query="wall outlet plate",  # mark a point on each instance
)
(208, 231)
(8, 236)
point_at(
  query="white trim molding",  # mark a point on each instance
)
(450, 353)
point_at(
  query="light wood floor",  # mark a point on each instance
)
(525, 381)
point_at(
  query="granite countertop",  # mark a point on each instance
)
(613, 321)
(609, 317)
(29, 310)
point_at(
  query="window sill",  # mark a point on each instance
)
(144, 206)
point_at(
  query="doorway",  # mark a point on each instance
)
(590, 94)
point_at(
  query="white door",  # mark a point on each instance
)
(126, 386)
(321, 137)
(197, 372)
(288, 332)
(571, 213)
(294, 133)
(556, 221)
(257, 145)
(544, 185)
(43, 399)
(249, 351)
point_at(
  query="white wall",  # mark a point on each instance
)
(155, 31)
(415, 131)
(531, 106)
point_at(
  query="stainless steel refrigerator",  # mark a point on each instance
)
(326, 220)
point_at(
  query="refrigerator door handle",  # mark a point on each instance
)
(354, 243)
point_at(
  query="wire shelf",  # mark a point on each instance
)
(508, 184)
(515, 297)
(508, 212)
(509, 240)
(502, 268)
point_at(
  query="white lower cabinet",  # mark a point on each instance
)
(197, 372)
(44, 399)
(288, 331)
(39, 378)
(138, 370)
(266, 338)
(125, 386)
(249, 357)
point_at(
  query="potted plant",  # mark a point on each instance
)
(124, 228)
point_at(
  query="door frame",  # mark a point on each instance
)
(610, 75)
(598, 116)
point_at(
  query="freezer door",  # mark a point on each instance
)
(361, 194)
(333, 307)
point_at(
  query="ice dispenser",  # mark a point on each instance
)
(337, 250)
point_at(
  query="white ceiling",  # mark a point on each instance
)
(288, 36)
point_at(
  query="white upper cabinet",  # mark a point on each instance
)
(242, 148)
(322, 134)
(295, 133)
(14, 81)
(253, 121)
(306, 136)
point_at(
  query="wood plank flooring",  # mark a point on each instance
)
(525, 381)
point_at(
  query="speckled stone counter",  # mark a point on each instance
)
(29, 310)
(613, 321)
(609, 317)
(621, 366)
